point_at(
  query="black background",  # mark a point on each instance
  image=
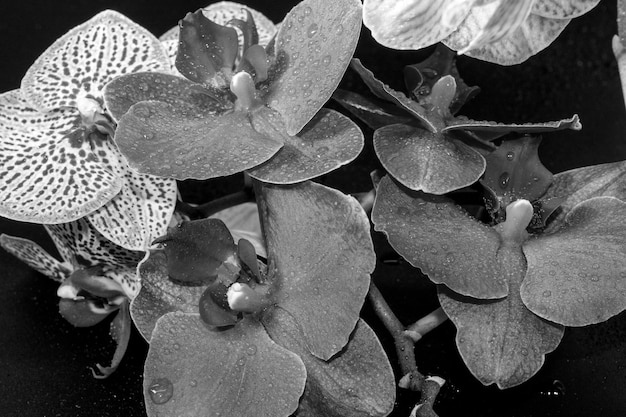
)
(44, 362)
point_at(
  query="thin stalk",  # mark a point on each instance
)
(405, 348)
(424, 325)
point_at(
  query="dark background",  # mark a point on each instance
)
(44, 361)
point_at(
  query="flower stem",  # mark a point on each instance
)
(424, 325)
(412, 379)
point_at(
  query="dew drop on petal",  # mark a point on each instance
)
(312, 30)
(547, 293)
(161, 390)
(504, 180)
(510, 155)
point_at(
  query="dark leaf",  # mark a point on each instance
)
(239, 372)
(206, 50)
(196, 249)
(320, 255)
(357, 382)
(313, 48)
(159, 139)
(421, 77)
(577, 275)
(431, 162)
(327, 142)
(383, 91)
(437, 236)
(121, 93)
(159, 295)
(375, 114)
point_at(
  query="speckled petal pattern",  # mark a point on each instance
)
(34, 256)
(82, 61)
(46, 158)
(139, 214)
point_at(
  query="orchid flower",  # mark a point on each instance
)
(419, 139)
(242, 337)
(58, 162)
(505, 32)
(509, 288)
(241, 105)
(96, 278)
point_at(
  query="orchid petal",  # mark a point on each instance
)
(383, 91)
(580, 184)
(76, 169)
(159, 139)
(81, 62)
(534, 35)
(121, 93)
(409, 24)
(500, 341)
(563, 9)
(313, 49)
(140, 213)
(508, 16)
(159, 295)
(437, 236)
(374, 114)
(236, 372)
(36, 257)
(320, 255)
(572, 123)
(327, 142)
(120, 332)
(435, 163)
(355, 383)
(577, 275)
(223, 12)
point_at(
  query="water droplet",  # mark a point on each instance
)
(510, 155)
(339, 29)
(504, 180)
(193, 383)
(161, 390)
(326, 60)
(312, 30)
(547, 293)
(251, 350)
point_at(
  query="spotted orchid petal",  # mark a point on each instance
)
(76, 170)
(563, 9)
(36, 257)
(412, 24)
(79, 64)
(314, 46)
(80, 243)
(531, 37)
(140, 213)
